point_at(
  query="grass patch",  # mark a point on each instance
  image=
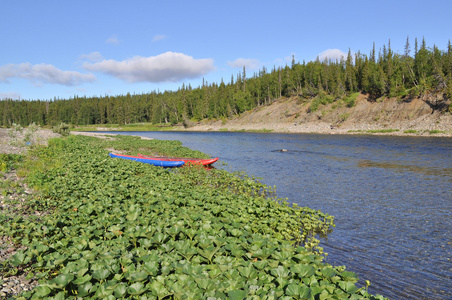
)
(410, 131)
(374, 131)
(436, 131)
(343, 117)
(260, 130)
(382, 130)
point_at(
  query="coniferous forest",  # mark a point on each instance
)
(416, 72)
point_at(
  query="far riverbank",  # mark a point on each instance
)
(389, 117)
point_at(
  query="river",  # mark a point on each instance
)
(391, 198)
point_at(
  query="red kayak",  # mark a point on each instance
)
(194, 161)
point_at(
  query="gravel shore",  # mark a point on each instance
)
(13, 202)
(14, 197)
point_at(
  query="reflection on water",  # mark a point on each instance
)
(390, 196)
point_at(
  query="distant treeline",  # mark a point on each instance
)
(386, 73)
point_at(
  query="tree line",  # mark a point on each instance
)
(383, 74)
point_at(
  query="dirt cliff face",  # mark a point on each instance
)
(294, 115)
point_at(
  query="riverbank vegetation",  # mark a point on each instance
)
(120, 229)
(424, 72)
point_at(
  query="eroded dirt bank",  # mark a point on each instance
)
(414, 117)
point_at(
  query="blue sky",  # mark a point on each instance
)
(58, 49)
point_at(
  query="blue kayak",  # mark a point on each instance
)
(154, 162)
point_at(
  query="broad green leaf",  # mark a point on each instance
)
(280, 271)
(59, 296)
(305, 292)
(82, 280)
(101, 274)
(84, 289)
(260, 264)
(18, 258)
(303, 270)
(246, 271)
(136, 289)
(41, 291)
(205, 283)
(158, 288)
(63, 280)
(104, 291)
(138, 276)
(282, 282)
(293, 289)
(328, 272)
(151, 267)
(120, 290)
(237, 295)
(349, 276)
(348, 287)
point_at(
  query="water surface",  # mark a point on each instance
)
(390, 196)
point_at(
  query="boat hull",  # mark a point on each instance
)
(194, 161)
(154, 162)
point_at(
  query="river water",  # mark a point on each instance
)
(391, 198)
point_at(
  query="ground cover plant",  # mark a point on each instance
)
(121, 229)
(7, 161)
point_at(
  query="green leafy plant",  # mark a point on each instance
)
(9, 161)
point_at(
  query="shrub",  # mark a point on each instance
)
(21, 137)
(350, 101)
(30, 132)
(63, 129)
(321, 99)
(314, 105)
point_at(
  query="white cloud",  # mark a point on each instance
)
(112, 40)
(166, 67)
(249, 63)
(332, 54)
(288, 59)
(43, 73)
(93, 56)
(158, 37)
(10, 95)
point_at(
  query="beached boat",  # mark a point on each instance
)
(154, 162)
(194, 161)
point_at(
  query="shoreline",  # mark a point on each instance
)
(312, 128)
(315, 129)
